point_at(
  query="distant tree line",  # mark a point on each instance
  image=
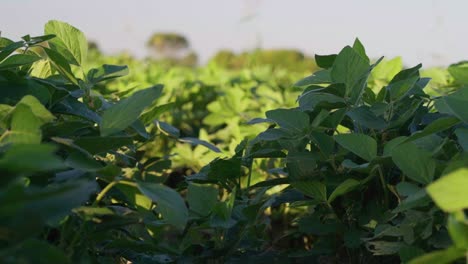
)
(174, 49)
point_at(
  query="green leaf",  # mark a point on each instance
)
(319, 77)
(344, 188)
(26, 120)
(167, 129)
(313, 189)
(450, 191)
(462, 136)
(121, 115)
(457, 226)
(196, 141)
(69, 41)
(325, 61)
(312, 99)
(401, 88)
(61, 64)
(387, 69)
(31, 158)
(17, 60)
(359, 48)
(202, 198)
(292, 120)
(149, 116)
(301, 166)
(9, 48)
(436, 126)
(362, 145)
(107, 72)
(459, 72)
(365, 117)
(455, 103)
(169, 203)
(349, 68)
(96, 145)
(444, 256)
(414, 162)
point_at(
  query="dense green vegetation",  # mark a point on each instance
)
(361, 162)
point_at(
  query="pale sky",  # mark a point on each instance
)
(433, 32)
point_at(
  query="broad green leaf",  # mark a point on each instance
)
(202, 198)
(121, 115)
(26, 120)
(359, 48)
(444, 256)
(349, 68)
(96, 145)
(17, 60)
(31, 158)
(450, 191)
(455, 103)
(366, 118)
(61, 64)
(414, 162)
(312, 99)
(107, 72)
(301, 166)
(325, 61)
(459, 72)
(41, 69)
(313, 189)
(417, 199)
(149, 116)
(292, 120)
(196, 141)
(362, 145)
(69, 41)
(457, 226)
(319, 77)
(345, 187)
(387, 69)
(10, 48)
(462, 136)
(169, 203)
(401, 88)
(167, 129)
(436, 126)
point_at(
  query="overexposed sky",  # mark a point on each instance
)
(434, 32)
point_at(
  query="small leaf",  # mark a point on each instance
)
(455, 103)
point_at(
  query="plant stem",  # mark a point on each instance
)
(384, 186)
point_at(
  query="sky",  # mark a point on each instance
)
(433, 32)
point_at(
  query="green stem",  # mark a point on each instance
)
(384, 186)
(104, 192)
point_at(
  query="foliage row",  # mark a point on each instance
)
(364, 166)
